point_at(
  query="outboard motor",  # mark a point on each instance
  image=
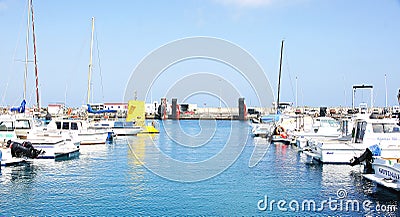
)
(367, 156)
(110, 137)
(25, 149)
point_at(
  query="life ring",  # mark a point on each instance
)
(284, 135)
(280, 130)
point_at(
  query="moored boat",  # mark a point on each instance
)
(321, 128)
(80, 129)
(366, 132)
(118, 128)
(386, 172)
(6, 158)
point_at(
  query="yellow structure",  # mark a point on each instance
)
(136, 112)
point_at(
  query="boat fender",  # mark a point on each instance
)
(110, 137)
(69, 111)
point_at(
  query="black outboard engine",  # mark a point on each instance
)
(367, 156)
(25, 149)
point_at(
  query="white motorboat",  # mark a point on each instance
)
(366, 132)
(261, 130)
(322, 128)
(265, 125)
(386, 172)
(44, 132)
(54, 148)
(118, 128)
(80, 129)
(7, 160)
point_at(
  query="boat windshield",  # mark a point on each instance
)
(22, 124)
(122, 124)
(329, 123)
(6, 126)
(385, 128)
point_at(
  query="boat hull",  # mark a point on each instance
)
(7, 160)
(280, 139)
(93, 138)
(126, 131)
(387, 173)
(55, 149)
(335, 152)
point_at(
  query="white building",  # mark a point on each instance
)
(56, 108)
(119, 106)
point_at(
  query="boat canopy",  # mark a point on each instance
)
(20, 109)
(270, 118)
(90, 110)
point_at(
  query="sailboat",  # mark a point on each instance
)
(53, 146)
(30, 23)
(89, 108)
(279, 134)
(269, 125)
(114, 128)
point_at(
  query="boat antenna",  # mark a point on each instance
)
(279, 78)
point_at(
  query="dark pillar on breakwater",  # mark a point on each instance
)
(163, 108)
(242, 110)
(174, 113)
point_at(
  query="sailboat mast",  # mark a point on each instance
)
(279, 78)
(27, 46)
(386, 95)
(90, 62)
(35, 59)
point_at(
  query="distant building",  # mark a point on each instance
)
(119, 106)
(56, 108)
(187, 108)
(97, 106)
(151, 108)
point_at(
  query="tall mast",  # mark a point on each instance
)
(296, 93)
(27, 46)
(279, 78)
(90, 62)
(386, 95)
(35, 59)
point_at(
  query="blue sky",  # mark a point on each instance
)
(329, 46)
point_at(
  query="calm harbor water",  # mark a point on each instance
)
(119, 180)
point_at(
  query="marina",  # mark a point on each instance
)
(181, 119)
(115, 179)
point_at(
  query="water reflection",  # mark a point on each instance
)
(136, 160)
(25, 173)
